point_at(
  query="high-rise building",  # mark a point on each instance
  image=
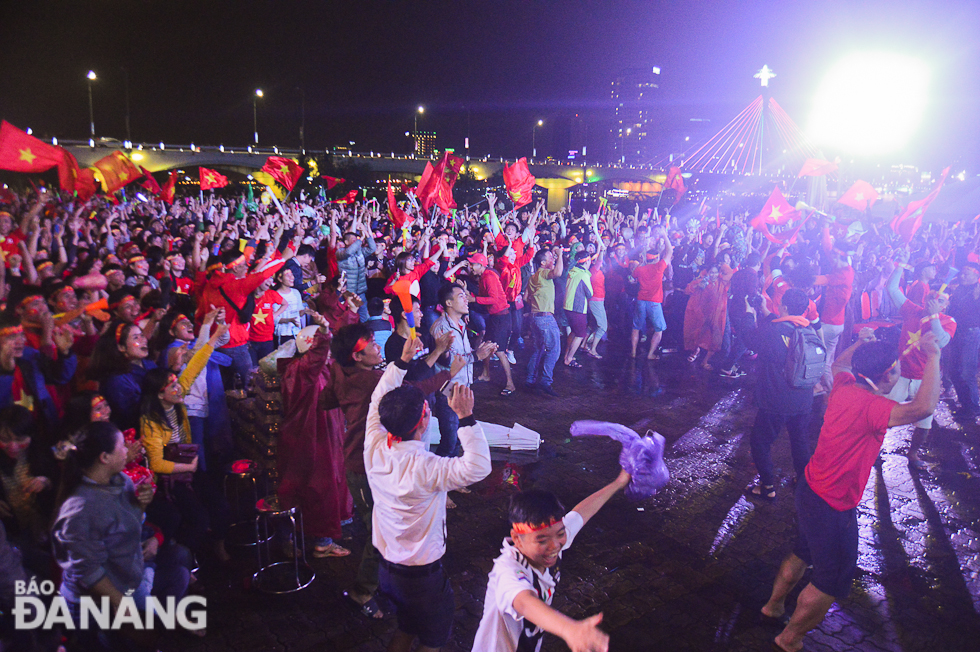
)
(425, 143)
(634, 96)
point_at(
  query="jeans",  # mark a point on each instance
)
(547, 348)
(448, 425)
(966, 344)
(366, 582)
(241, 365)
(259, 350)
(767, 427)
(429, 316)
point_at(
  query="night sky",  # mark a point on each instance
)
(489, 69)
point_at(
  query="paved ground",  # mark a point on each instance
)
(686, 570)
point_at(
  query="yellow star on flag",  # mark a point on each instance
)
(776, 213)
(210, 177)
(284, 169)
(28, 155)
(260, 317)
(859, 196)
(123, 175)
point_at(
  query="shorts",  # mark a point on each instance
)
(578, 322)
(904, 391)
(423, 600)
(498, 329)
(649, 312)
(828, 541)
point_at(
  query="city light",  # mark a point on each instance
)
(91, 75)
(259, 93)
(870, 103)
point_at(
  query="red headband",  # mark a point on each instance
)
(393, 439)
(238, 261)
(135, 259)
(362, 344)
(527, 528)
(119, 331)
(11, 330)
(128, 297)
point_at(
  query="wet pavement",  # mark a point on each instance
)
(685, 570)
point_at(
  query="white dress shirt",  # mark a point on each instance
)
(409, 484)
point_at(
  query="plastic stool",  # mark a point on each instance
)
(282, 576)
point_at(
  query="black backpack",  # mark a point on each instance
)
(806, 359)
(244, 312)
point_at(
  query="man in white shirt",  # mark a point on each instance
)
(517, 609)
(409, 486)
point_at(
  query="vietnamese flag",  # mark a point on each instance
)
(675, 182)
(116, 170)
(167, 192)
(861, 196)
(20, 152)
(436, 185)
(398, 217)
(85, 184)
(149, 183)
(211, 179)
(284, 170)
(349, 198)
(776, 211)
(332, 181)
(519, 183)
(909, 221)
(815, 167)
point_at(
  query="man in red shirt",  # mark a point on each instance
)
(491, 294)
(858, 414)
(917, 319)
(649, 300)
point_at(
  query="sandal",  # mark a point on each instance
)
(694, 356)
(370, 609)
(574, 364)
(506, 392)
(333, 550)
(761, 491)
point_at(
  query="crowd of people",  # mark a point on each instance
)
(123, 325)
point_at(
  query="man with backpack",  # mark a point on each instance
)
(791, 362)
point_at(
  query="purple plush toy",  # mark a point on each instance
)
(642, 457)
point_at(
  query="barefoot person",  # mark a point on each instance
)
(858, 414)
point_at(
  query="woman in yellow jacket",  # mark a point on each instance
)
(185, 510)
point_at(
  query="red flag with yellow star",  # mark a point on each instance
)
(815, 167)
(436, 185)
(284, 170)
(776, 211)
(68, 171)
(115, 171)
(211, 179)
(909, 221)
(167, 192)
(85, 184)
(398, 217)
(349, 198)
(332, 181)
(20, 152)
(149, 183)
(519, 183)
(860, 196)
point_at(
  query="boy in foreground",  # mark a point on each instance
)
(517, 609)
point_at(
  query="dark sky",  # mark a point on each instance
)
(364, 65)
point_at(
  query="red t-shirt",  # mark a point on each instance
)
(853, 430)
(840, 283)
(9, 244)
(914, 362)
(263, 325)
(916, 293)
(598, 283)
(778, 289)
(651, 280)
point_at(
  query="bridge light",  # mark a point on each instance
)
(221, 148)
(136, 156)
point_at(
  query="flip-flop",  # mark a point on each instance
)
(369, 609)
(506, 392)
(333, 550)
(757, 490)
(574, 364)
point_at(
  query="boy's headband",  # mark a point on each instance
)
(527, 528)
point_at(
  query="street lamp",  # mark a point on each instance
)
(534, 149)
(255, 113)
(418, 144)
(91, 115)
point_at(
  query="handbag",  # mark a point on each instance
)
(181, 454)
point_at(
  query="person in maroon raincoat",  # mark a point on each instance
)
(311, 444)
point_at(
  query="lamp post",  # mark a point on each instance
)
(418, 144)
(534, 127)
(255, 113)
(302, 119)
(91, 76)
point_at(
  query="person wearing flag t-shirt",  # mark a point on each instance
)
(858, 414)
